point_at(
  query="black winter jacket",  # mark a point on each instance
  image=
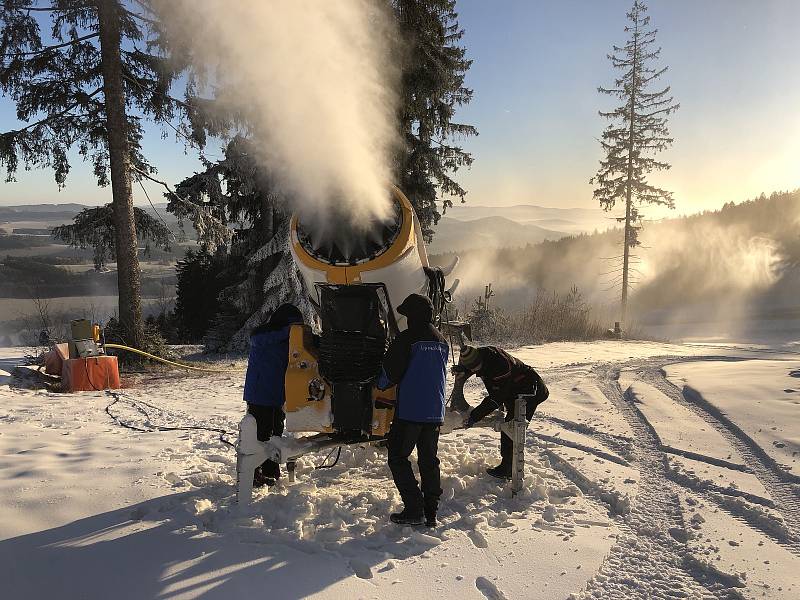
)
(505, 377)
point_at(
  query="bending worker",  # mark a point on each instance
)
(264, 389)
(505, 378)
(416, 361)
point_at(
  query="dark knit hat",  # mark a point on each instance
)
(417, 307)
(285, 314)
(470, 357)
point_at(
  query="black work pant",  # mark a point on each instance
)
(403, 437)
(269, 422)
(506, 443)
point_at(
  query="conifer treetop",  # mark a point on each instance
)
(638, 128)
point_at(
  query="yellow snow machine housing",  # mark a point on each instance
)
(355, 276)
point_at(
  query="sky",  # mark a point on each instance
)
(537, 65)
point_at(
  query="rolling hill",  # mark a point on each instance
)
(453, 235)
(567, 220)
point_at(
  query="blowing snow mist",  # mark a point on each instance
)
(312, 82)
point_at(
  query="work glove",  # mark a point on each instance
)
(460, 370)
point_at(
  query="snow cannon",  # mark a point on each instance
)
(355, 275)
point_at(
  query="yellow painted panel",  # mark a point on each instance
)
(382, 417)
(303, 368)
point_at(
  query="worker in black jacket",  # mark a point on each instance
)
(416, 361)
(505, 378)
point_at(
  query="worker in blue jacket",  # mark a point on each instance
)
(264, 389)
(416, 361)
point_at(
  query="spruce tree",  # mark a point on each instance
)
(85, 83)
(433, 65)
(94, 228)
(253, 272)
(200, 279)
(638, 130)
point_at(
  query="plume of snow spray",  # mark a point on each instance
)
(314, 83)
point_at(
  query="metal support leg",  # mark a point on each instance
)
(520, 426)
(249, 454)
(245, 469)
(290, 467)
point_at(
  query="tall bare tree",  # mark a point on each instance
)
(86, 83)
(638, 130)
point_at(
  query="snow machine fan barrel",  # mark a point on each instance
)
(341, 242)
(389, 251)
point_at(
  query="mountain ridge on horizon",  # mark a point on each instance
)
(461, 228)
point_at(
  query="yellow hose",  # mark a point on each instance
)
(170, 362)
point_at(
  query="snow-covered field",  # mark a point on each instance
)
(654, 471)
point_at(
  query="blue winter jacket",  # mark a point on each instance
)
(417, 362)
(266, 368)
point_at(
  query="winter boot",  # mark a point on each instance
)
(407, 518)
(271, 469)
(500, 471)
(260, 479)
(431, 507)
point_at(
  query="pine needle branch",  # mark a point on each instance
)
(53, 116)
(54, 47)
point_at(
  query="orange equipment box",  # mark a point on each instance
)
(54, 360)
(90, 374)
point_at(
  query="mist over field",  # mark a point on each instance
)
(719, 274)
(715, 274)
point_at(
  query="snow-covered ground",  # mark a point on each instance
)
(762, 397)
(635, 487)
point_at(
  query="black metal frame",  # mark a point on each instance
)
(357, 324)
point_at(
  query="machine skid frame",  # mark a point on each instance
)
(250, 452)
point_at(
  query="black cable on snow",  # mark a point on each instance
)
(119, 396)
(322, 465)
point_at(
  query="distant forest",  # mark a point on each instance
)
(22, 277)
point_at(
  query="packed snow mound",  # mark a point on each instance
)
(349, 504)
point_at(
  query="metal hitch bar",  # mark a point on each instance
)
(250, 452)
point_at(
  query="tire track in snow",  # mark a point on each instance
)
(709, 460)
(558, 441)
(727, 500)
(752, 515)
(616, 443)
(702, 486)
(779, 483)
(617, 503)
(650, 558)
